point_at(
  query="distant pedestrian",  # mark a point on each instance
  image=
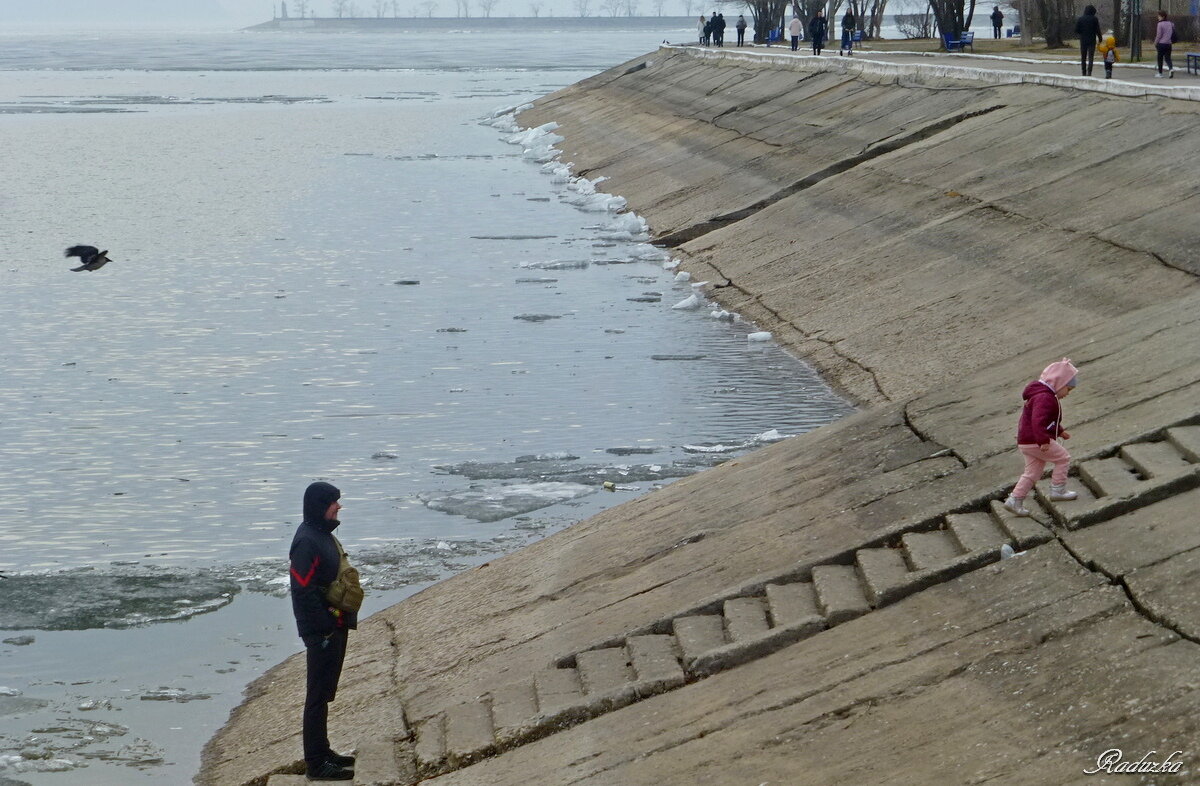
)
(1108, 51)
(1087, 27)
(326, 597)
(1164, 36)
(848, 23)
(741, 30)
(818, 32)
(719, 30)
(794, 31)
(997, 21)
(702, 30)
(1039, 430)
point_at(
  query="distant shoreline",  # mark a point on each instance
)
(542, 23)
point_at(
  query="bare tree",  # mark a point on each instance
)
(612, 7)
(1056, 16)
(583, 7)
(301, 7)
(339, 7)
(688, 5)
(630, 7)
(380, 7)
(657, 5)
(915, 25)
(535, 8)
(429, 6)
(486, 6)
(352, 10)
(462, 8)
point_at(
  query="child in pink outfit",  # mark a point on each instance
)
(1038, 431)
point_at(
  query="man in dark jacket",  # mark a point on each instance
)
(1087, 27)
(818, 29)
(719, 29)
(314, 560)
(997, 21)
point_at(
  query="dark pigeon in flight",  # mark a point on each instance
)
(90, 257)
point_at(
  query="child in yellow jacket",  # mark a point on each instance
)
(1108, 50)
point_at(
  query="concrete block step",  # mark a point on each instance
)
(746, 650)
(1110, 477)
(430, 746)
(1155, 459)
(790, 603)
(884, 572)
(976, 531)
(1025, 531)
(378, 765)
(603, 671)
(926, 550)
(698, 634)
(841, 595)
(557, 689)
(655, 662)
(288, 780)
(1186, 440)
(469, 732)
(514, 708)
(745, 618)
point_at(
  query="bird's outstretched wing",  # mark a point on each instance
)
(83, 252)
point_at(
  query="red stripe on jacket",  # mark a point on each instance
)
(303, 581)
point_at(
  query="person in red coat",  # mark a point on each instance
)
(1039, 430)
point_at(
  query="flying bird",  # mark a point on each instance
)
(90, 257)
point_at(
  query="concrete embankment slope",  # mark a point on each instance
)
(832, 609)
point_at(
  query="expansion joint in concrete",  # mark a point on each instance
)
(871, 152)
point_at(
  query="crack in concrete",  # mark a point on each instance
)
(912, 426)
(679, 237)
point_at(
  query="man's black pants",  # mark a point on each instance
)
(324, 671)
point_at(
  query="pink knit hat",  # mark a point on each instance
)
(1059, 373)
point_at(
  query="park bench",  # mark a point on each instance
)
(966, 39)
(1193, 62)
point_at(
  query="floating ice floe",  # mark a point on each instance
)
(722, 315)
(682, 277)
(501, 502)
(670, 264)
(765, 438)
(689, 303)
(761, 335)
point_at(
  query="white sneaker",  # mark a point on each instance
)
(1158, 76)
(1171, 74)
(1016, 506)
(1060, 494)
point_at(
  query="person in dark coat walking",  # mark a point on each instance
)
(719, 30)
(848, 23)
(818, 31)
(1087, 27)
(997, 21)
(314, 562)
(741, 30)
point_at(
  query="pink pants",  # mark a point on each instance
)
(1035, 464)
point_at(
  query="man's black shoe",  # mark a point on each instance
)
(340, 760)
(328, 771)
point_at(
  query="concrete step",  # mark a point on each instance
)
(288, 780)
(469, 732)
(514, 707)
(926, 550)
(1155, 459)
(557, 689)
(603, 671)
(1186, 440)
(789, 603)
(1025, 531)
(976, 531)
(841, 595)
(1110, 477)
(655, 662)
(698, 634)
(884, 572)
(430, 746)
(745, 618)
(378, 765)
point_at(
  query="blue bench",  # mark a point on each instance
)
(966, 39)
(1193, 62)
